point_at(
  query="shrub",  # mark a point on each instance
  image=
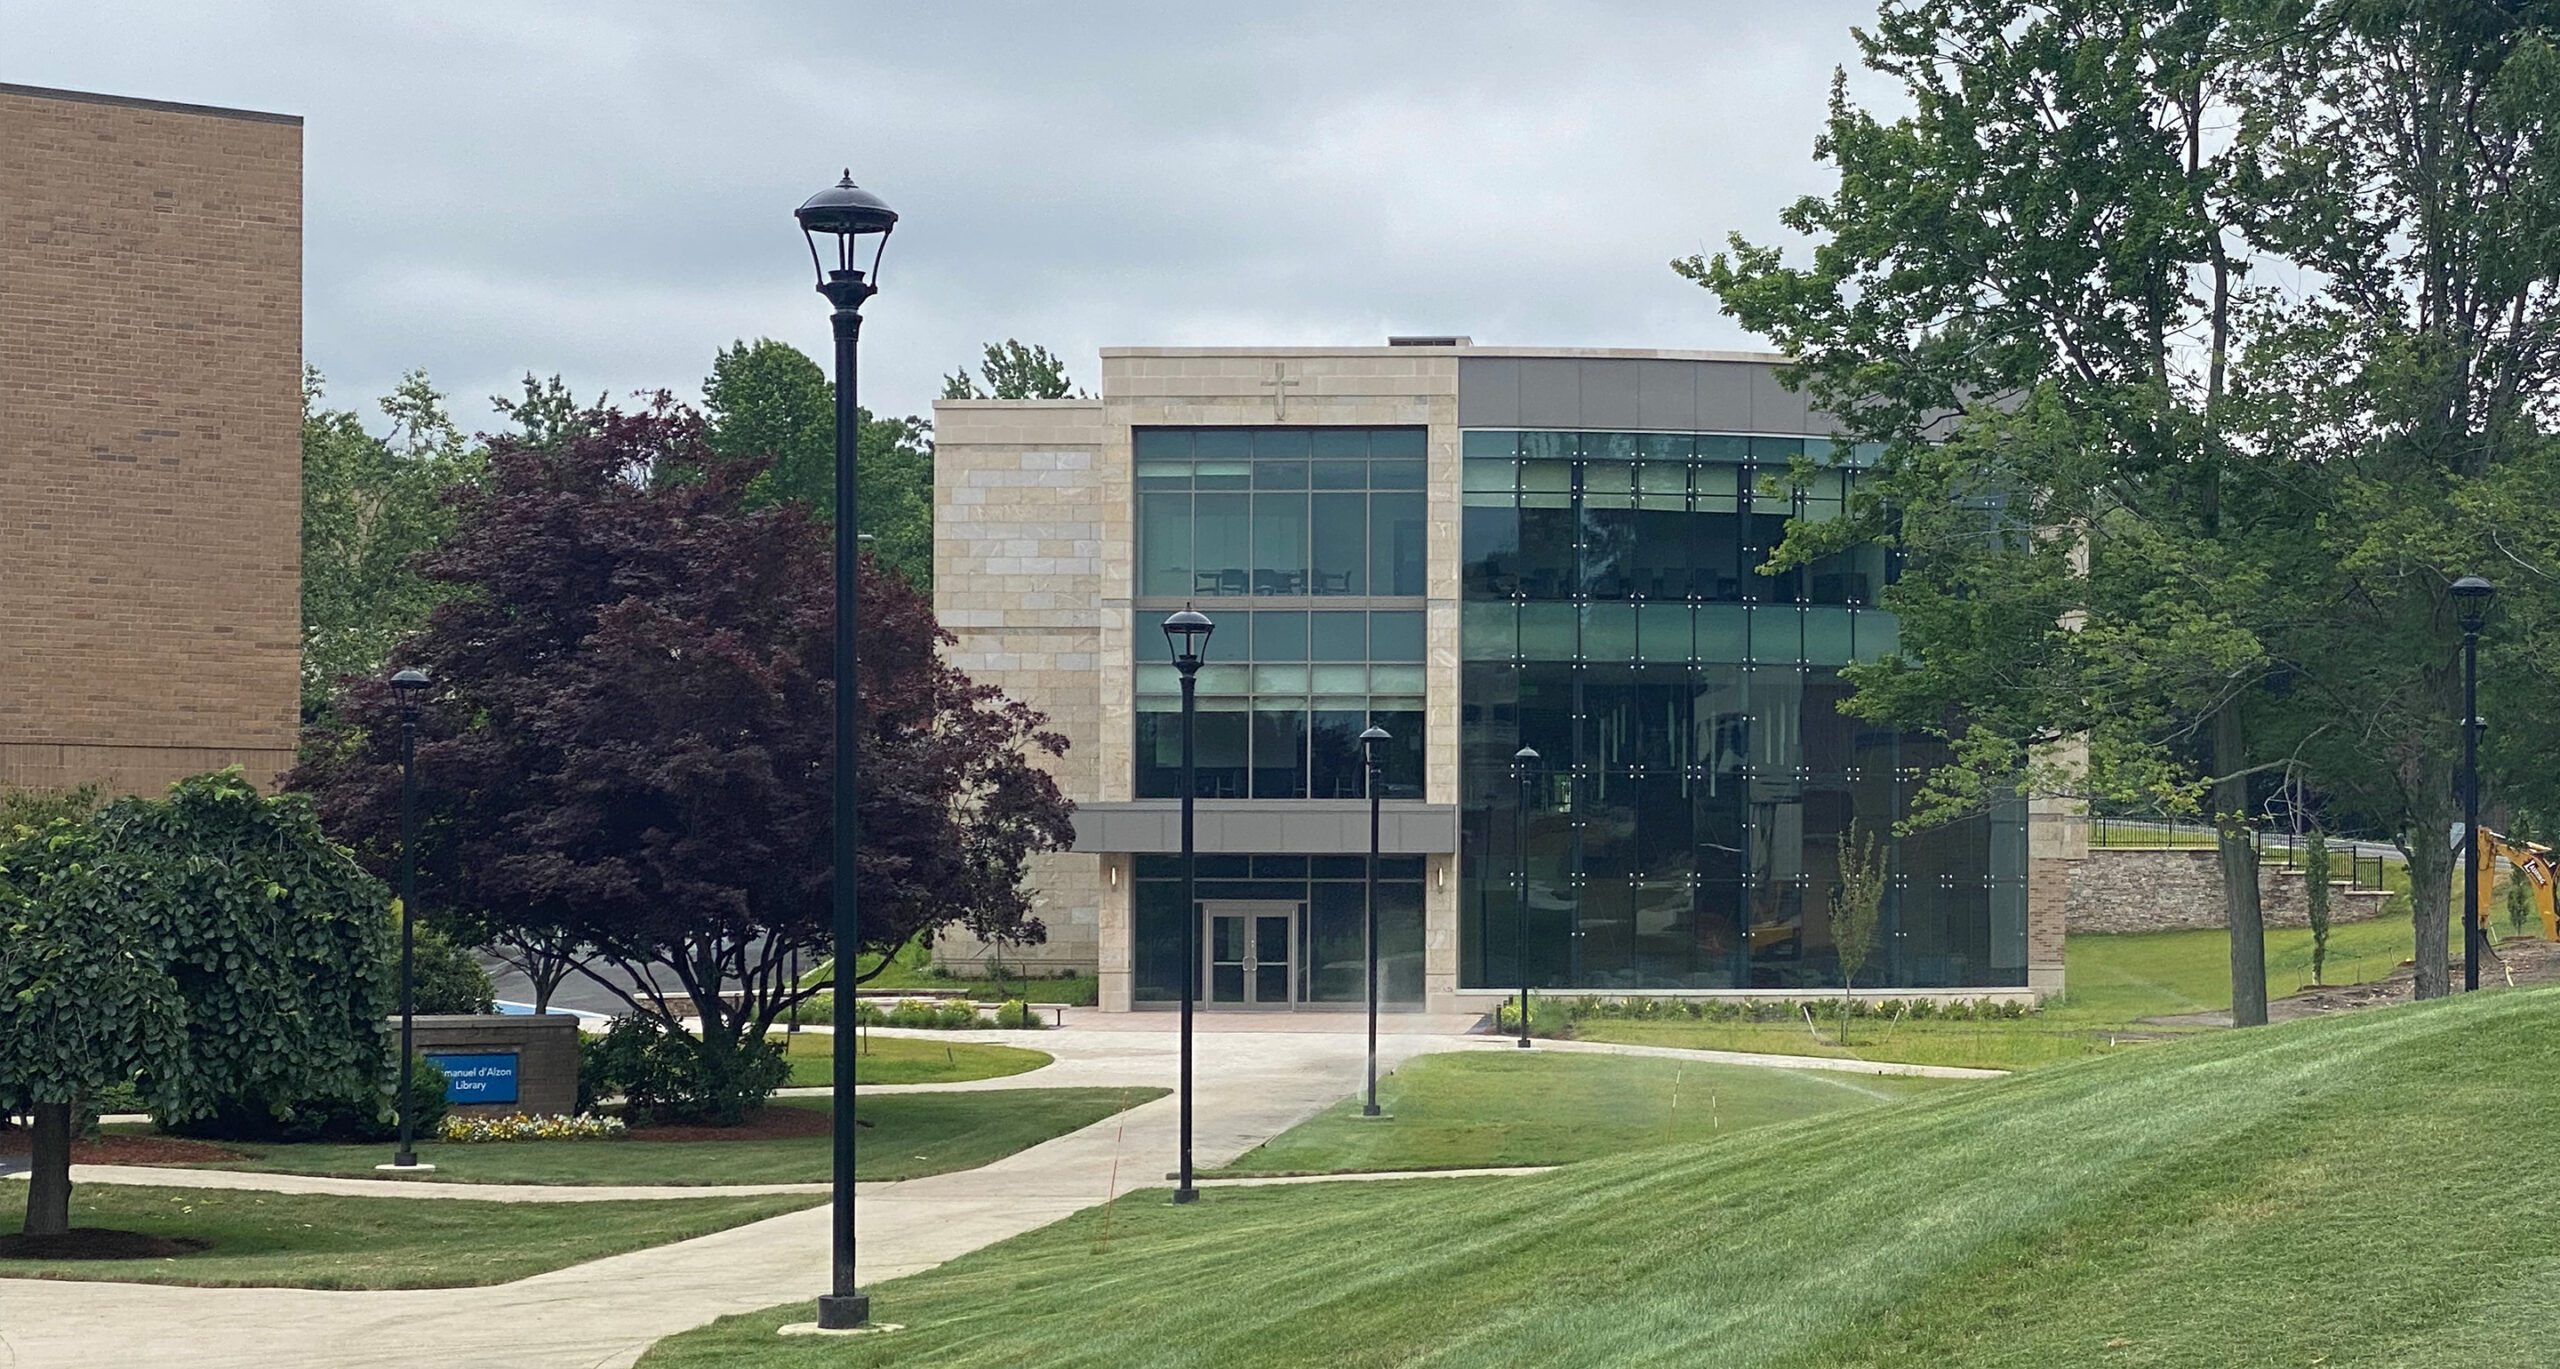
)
(372, 1118)
(665, 1076)
(449, 980)
(1547, 1017)
(518, 1126)
(1016, 1015)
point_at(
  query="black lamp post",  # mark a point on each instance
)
(2474, 594)
(407, 685)
(1187, 635)
(1524, 763)
(849, 215)
(1371, 740)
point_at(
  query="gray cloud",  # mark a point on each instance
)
(604, 190)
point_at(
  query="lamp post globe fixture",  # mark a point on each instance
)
(853, 223)
(407, 685)
(1372, 743)
(1524, 765)
(1186, 635)
(2473, 594)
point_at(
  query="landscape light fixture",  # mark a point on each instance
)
(1186, 635)
(855, 220)
(2472, 594)
(1372, 741)
(406, 686)
(1524, 764)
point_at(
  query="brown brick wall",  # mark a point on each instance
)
(150, 440)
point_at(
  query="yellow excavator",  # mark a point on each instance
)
(2539, 865)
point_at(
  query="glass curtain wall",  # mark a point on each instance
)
(1330, 925)
(1699, 777)
(1306, 545)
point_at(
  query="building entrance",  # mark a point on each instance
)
(1251, 952)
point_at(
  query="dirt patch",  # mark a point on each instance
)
(15, 1144)
(772, 1124)
(2519, 962)
(88, 1243)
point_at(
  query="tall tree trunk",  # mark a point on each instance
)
(2429, 844)
(49, 1182)
(2239, 870)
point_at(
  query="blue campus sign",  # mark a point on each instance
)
(478, 1078)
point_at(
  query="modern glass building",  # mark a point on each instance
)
(1476, 550)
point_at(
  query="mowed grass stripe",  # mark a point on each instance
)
(2343, 1188)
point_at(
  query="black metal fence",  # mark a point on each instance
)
(2360, 862)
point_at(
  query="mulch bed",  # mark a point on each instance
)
(772, 1124)
(88, 1243)
(15, 1144)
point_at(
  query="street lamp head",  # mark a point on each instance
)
(2473, 593)
(847, 213)
(410, 681)
(1526, 758)
(1375, 734)
(1187, 634)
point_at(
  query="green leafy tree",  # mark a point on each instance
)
(209, 944)
(2192, 393)
(370, 505)
(767, 401)
(2022, 295)
(1013, 370)
(1857, 910)
(545, 413)
(2315, 900)
(2519, 902)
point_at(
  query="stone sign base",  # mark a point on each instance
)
(497, 1064)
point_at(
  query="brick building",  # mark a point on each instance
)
(150, 439)
(1474, 549)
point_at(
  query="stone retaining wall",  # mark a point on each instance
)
(2121, 889)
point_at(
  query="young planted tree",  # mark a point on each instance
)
(1856, 911)
(2315, 900)
(629, 739)
(207, 945)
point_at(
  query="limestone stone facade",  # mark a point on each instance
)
(150, 440)
(1035, 568)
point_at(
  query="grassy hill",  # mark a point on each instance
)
(2356, 1191)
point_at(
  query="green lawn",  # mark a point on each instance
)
(912, 1135)
(2332, 1192)
(2114, 981)
(907, 1060)
(291, 1240)
(1538, 1107)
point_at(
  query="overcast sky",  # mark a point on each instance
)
(604, 190)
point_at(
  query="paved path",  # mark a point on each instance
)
(1250, 1085)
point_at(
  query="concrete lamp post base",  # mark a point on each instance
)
(810, 1328)
(404, 1169)
(1368, 1116)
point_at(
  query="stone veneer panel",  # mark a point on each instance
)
(2163, 889)
(1021, 537)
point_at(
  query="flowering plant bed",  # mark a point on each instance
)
(586, 1126)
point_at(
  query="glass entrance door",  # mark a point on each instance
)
(1252, 953)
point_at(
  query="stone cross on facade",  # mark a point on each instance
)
(1278, 385)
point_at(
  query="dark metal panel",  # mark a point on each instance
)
(1724, 396)
(1666, 395)
(1488, 392)
(1609, 392)
(1550, 392)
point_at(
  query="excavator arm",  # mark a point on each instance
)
(2540, 867)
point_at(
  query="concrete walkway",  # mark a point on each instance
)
(1250, 1086)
